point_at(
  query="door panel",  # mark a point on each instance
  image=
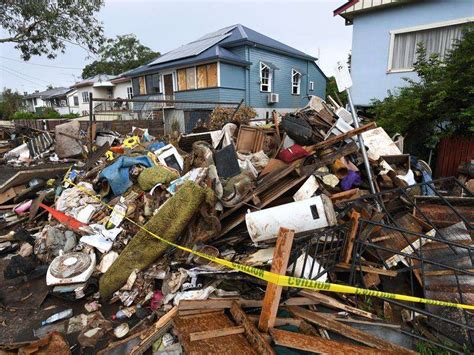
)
(168, 84)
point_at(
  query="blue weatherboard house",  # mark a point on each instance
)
(229, 65)
(385, 35)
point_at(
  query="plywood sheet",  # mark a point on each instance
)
(141, 81)
(191, 78)
(181, 79)
(202, 76)
(212, 75)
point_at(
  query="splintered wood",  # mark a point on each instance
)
(271, 300)
(319, 345)
(348, 331)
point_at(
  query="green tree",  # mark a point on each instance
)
(331, 90)
(118, 55)
(11, 103)
(42, 27)
(439, 104)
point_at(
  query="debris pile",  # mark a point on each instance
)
(120, 244)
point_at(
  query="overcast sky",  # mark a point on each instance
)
(164, 25)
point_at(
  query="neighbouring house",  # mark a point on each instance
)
(61, 99)
(100, 86)
(123, 87)
(229, 65)
(385, 35)
(33, 102)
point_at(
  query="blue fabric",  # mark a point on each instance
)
(155, 146)
(351, 179)
(117, 174)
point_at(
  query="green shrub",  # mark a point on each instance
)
(48, 112)
(23, 115)
(70, 115)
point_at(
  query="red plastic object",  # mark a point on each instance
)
(292, 153)
(118, 149)
(68, 221)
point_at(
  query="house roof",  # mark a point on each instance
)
(352, 7)
(214, 46)
(49, 94)
(97, 80)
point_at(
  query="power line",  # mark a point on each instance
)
(41, 65)
(27, 75)
(11, 73)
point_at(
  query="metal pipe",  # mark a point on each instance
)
(90, 122)
(361, 142)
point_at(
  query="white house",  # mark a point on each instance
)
(61, 99)
(100, 86)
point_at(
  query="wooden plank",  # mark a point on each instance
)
(271, 301)
(24, 176)
(212, 75)
(346, 195)
(338, 318)
(278, 321)
(335, 139)
(209, 334)
(328, 159)
(201, 76)
(11, 193)
(348, 246)
(213, 304)
(333, 303)
(319, 345)
(251, 332)
(367, 269)
(347, 331)
(192, 312)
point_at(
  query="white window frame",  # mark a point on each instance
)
(415, 29)
(174, 77)
(85, 99)
(129, 92)
(298, 84)
(270, 77)
(311, 86)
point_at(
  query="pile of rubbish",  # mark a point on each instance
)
(123, 244)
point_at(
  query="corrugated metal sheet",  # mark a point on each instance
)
(452, 152)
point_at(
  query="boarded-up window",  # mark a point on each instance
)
(191, 78)
(181, 79)
(207, 76)
(212, 75)
(204, 75)
(142, 85)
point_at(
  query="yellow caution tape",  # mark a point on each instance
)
(288, 281)
(109, 155)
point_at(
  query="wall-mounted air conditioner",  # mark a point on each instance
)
(273, 98)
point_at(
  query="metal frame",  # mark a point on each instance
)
(326, 248)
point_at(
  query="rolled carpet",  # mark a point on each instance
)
(168, 223)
